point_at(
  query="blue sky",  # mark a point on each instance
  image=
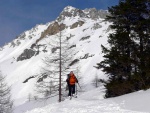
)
(17, 16)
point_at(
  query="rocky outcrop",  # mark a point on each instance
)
(1, 48)
(33, 51)
(96, 14)
(52, 30)
(53, 50)
(15, 43)
(12, 44)
(42, 77)
(18, 42)
(74, 62)
(22, 36)
(92, 13)
(79, 23)
(87, 56)
(28, 79)
(73, 12)
(85, 38)
(27, 54)
(96, 26)
(70, 12)
(72, 46)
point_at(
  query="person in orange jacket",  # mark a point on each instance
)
(71, 80)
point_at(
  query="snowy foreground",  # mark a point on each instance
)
(93, 102)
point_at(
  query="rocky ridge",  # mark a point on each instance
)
(58, 25)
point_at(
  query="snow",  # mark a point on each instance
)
(69, 8)
(93, 102)
(92, 99)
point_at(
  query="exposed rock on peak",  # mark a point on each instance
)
(92, 13)
(95, 14)
(69, 8)
(70, 11)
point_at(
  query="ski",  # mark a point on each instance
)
(73, 97)
(70, 97)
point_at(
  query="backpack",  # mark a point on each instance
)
(72, 79)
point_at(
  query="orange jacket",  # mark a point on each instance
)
(72, 79)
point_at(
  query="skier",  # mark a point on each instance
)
(71, 80)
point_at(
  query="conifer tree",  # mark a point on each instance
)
(5, 97)
(124, 60)
(141, 26)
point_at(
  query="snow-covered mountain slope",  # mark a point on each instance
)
(22, 58)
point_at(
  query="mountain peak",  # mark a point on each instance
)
(70, 11)
(92, 13)
(69, 8)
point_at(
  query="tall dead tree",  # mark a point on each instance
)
(57, 64)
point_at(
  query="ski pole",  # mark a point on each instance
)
(76, 90)
(79, 85)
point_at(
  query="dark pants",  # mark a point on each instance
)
(71, 89)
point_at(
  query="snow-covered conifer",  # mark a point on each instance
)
(5, 96)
